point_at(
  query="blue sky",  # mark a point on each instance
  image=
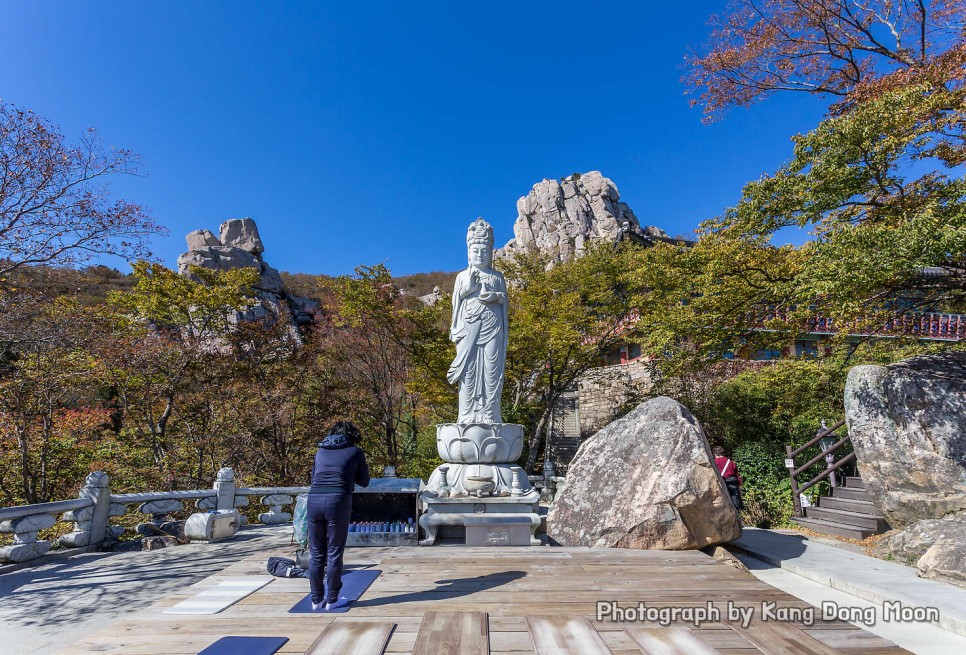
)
(374, 133)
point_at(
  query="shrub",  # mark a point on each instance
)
(766, 488)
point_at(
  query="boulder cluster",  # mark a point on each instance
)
(239, 246)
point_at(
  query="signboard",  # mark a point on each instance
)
(789, 463)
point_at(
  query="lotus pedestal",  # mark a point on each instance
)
(480, 484)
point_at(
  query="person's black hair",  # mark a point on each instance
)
(719, 451)
(346, 428)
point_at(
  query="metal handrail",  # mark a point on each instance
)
(824, 474)
(822, 455)
(818, 437)
(828, 455)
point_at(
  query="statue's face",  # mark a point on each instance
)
(480, 256)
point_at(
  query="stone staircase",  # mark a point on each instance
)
(565, 433)
(848, 512)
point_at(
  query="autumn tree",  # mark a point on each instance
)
(273, 404)
(714, 299)
(171, 328)
(51, 415)
(388, 355)
(55, 205)
(563, 318)
(885, 244)
(844, 49)
(882, 230)
(878, 184)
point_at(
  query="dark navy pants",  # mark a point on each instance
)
(328, 528)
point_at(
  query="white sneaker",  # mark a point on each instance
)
(318, 606)
(342, 602)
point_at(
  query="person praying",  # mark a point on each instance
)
(339, 465)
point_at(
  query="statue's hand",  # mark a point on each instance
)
(488, 296)
(474, 282)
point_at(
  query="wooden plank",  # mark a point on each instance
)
(565, 635)
(508, 586)
(838, 637)
(453, 633)
(781, 639)
(673, 640)
(352, 638)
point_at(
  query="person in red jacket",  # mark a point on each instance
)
(729, 471)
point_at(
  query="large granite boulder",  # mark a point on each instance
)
(199, 239)
(560, 217)
(242, 233)
(945, 560)
(937, 547)
(647, 480)
(910, 543)
(907, 423)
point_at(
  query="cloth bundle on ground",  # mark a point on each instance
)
(282, 567)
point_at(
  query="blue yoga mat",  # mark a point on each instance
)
(354, 584)
(245, 646)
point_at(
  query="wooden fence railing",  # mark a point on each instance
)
(828, 454)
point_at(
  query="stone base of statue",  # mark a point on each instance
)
(479, 485)
(496, 515)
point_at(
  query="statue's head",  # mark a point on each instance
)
(479, 243)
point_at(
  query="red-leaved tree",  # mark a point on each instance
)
(55, 206)
(848, 49)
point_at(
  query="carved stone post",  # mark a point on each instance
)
(225, 488)
(97, 487)
(275, 515)
(92, 524)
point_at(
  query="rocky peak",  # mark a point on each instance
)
(240, 246)
(560, 217)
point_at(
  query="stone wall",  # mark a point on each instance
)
(606, 391)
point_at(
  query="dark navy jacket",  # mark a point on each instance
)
(339, 464)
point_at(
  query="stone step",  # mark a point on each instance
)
(853, 494)
(830, 527)
(849, 505)
(854, 519)
(854, 482)
(563, 452)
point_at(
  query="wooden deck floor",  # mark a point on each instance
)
(509, 585)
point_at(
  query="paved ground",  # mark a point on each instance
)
(860, 577)
(923, 639)
(46, 607)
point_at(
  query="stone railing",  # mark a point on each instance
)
(92, 511)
